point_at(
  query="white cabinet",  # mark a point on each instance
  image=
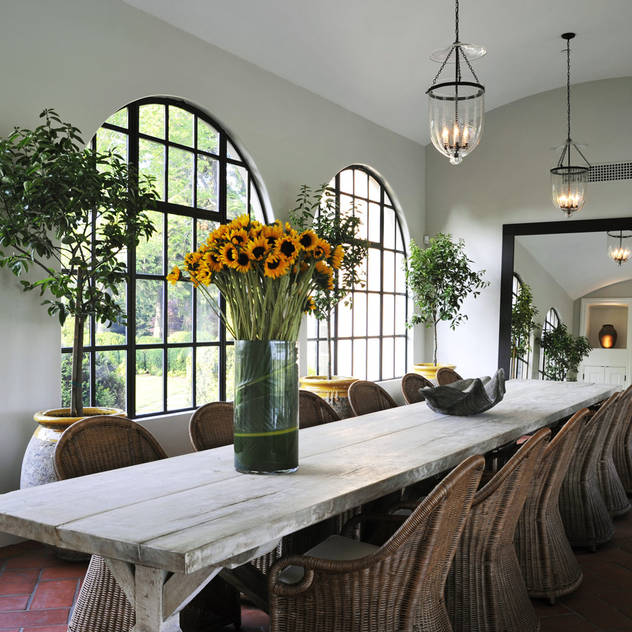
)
(615, 375)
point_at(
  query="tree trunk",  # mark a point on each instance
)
(435, 342)
(76, 393)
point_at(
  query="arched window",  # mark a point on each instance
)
(551, 321)
(520, 365)
(370, 340)
(173, 354)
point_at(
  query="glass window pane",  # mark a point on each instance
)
(110, 376)
(359, 314)
(207, 182)
(400, 273)
(180, 235)
(374, 272)
(312, 326)
(361, 183)
(233, 154)
(362, 213)
(149, 305)
(256, 208)
(389, 271)
(149, 252)
(389, 227)
(116, 333)
(361, 270)
(66, 379)
(373, 359)
(180, 176)
(204, 228)
(359, 358)
(149, 381)
(207, 320)
(323, 358)
(374, 222)
(68, 333)
(151, 120)
(312, 366)
(180, 313)
(400, 315)
(374, 189)
(400, 357)
(208, 137)
(346, 204)
(236, 191)
(109, 140)
(375, 311)
(388, 358)
(344, 321)
(346, 181)
(399, 244)
(151, 162)
(118, 118)
(179, 378)
(388, 322)
(206, 375)
(344, 358)
(180, 126)
(230, 373)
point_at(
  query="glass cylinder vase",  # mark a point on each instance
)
(266, 406)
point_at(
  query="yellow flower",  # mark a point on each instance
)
(272, 232)
(321, 250)
(212, 261)
(240, 222)
(242, 263)
(308, 239)
(337, 256)
(239, 237)
(287, 247)
(228, 255)
(275, 267)
(203, 276)
(310, 306)
(257, 248)
(174, 276)
(326, 273)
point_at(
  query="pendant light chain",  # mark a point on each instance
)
(568, 88)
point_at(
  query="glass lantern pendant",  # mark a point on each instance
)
(620, 245)
(569, 180)
(456, 108)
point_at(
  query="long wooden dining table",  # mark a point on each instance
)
(166, 528)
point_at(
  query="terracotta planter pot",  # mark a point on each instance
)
(429, 370)
(333, 391)
(38, 462)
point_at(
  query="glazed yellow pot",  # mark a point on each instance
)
(429, 370)
(38, 462)
(333, 391)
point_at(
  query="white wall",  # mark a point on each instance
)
(621, 289)
(87, 58)
(506, 180)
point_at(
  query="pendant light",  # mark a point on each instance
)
(456, 108)
(620, 245)
(569, 179)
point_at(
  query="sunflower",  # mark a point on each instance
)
(308, 239)
(287, 247)
(272, 232)
(240, 222)
(212, 261)
(257, 248)
(174, 276)
(337, 256)
(327, 272)
(309, 306)
(322, 249)
(238, 237)
(242, 262)
(204, 276)
(275, 266)
(228, 254)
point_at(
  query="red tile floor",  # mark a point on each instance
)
(37, 591)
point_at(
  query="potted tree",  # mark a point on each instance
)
(440, 278)
(67, 215)
(564, 352)
(523, 312)
(320, 210)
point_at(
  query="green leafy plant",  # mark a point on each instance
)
(523, 312)
(70, 213)
(440, 278)
(319, 209)
(563, 352)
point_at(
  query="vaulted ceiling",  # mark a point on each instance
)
(372, 57)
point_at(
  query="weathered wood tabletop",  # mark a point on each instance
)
(193, 515)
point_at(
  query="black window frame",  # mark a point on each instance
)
(551, 321)
(226, 143)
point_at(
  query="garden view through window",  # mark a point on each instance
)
(370, 339)
(173, 354)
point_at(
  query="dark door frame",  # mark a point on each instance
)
(510, 232)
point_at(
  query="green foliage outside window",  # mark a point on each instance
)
(564, 352)
(523, 312)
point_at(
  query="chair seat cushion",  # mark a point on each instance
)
(335, 547)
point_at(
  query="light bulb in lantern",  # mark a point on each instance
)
(620, 246)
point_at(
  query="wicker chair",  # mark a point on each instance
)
(446, 375)
(97, 444)
(393, 588)
(610, 484)
(368, 397)
(485, 591)
(548, 564)
(314, 410)
(411, 383)
(622, 450)
(587, 521)
(211, 426)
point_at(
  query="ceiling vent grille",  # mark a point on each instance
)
(610, 171)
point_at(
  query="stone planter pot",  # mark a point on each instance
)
(333, 391)
(38, 463)
(429, 370)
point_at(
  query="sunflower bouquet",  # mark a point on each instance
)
(267, 274)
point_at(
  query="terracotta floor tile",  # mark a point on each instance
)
(32, 618)
(18, 582)
(57, 593)
(13, 602)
